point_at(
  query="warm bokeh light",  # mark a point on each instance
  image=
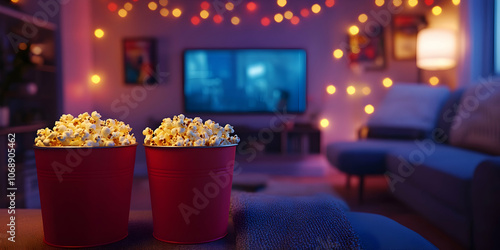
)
(304, 12)
(229, 6)
(351, 90)
(324, 123)
(455, 2)
(205, 5)
(112, 6)
(331, 89)
(316, 8)
(434, 81)
(288, 14)
(23, 46)
(387, 82)
(152, 5)
(295, 20)
(329, 3)
(99, 33)
(195, 20)
(251, 6)
(122, 13)
(362, 18)
(36, 50)
(379, 3)
(366, 90)
(429, 2)
(218, 19)
(164, 12)
(128, 6)
(14, 1)
(176, 12)
(235, 20)
(369, 109)
(281, 3)
(164, 3)
(204, 14)
(278, 18)
(354, 30)
(412, 3)
(265, 21)
(397, 3)
(436, 10)
(338, 53)
(95, 79)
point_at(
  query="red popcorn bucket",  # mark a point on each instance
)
(85, 193)
(190, 192)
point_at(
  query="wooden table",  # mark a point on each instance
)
(29, 233)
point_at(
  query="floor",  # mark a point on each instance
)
(309, 174)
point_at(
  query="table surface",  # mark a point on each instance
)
(29, 233)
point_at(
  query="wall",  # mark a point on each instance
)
(319, 34)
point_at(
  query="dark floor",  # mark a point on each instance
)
(314, 173)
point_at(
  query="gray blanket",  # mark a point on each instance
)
(279, 222)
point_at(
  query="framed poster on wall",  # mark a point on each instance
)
(139, 60)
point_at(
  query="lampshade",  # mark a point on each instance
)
(436, 49)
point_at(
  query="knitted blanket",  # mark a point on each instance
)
(279, 222)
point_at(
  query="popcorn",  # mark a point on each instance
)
(85, 131)
(181, 131)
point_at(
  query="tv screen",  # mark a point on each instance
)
(245, 80)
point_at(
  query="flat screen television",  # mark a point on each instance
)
(244, 80)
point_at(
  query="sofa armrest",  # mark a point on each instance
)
(486, 204)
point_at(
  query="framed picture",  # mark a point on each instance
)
(139, 55)
(404, 35)
(366, 50)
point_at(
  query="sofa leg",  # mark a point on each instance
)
(348, 181)
(361, 187)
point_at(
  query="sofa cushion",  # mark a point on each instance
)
(362, 157)
(443, 171)
(379, 232)
(477, 123)
(446, 115)
(410, 106)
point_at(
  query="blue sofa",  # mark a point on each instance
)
(457, 189)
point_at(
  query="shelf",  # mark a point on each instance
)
(25, 17)
(23, 129)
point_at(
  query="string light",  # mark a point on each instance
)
(23, 46)
(366, 90)
(436, 10)
(152, 5)
(195, 20)
(99, 33)
(387, 82)
(176, 12)
(324, 123)
(316, 8)
(204, 14)
(205, 5)
(363, 18)
(265, 21)
(251, 6)
(338, 53)
(218, 19)
(122, 13)
(164, 12)
(434, 81)
(412, 3)
(164, 3)
(95, 79)
(369, 109)
(456, 2)
(128, 6)
(295, 20)
(429, 2)
(354, 30)
(37, 50)
(397, 3)
(329, 3)
(379, 3)
(235, 20)
(278, 18)
(288, 14)
(304, 12)
(281, 3)
(331, 89)
(112, 7)
(229, 6)
(351, 90)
